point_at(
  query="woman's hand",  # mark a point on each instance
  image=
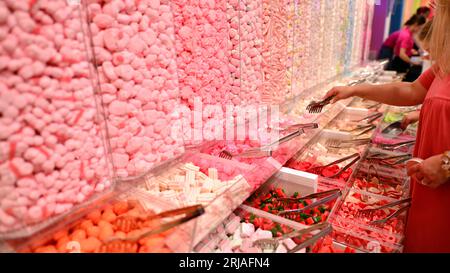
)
(340, 93)
(411, 118)
(429, 173)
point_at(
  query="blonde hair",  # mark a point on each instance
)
(440, 37)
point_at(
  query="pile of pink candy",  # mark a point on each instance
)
(134, 42)
(51, 150)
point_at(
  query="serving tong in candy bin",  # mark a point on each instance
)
(356, 157)
(267, 150)
(321, 230)
(154, 224)
(383, 159)
(370, 118)
(317, 107)
(374, 177)
(396, 146)
(328, 196)
(340, 143)
(369, 213)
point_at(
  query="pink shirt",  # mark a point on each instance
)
(405, 40)
(391, 41)
(428, 216)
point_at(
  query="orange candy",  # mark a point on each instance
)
(61, 245)
(106, 233)
(120, 234)
(78, 235)
(90, 245)
(60, 234)
(86, 224)
(93, 231)
(46, 249)
(120, 207)
(109, 216)
(95, 216)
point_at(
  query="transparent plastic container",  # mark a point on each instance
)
(219, 185)
(394, 184)
(346, 237)
(316, 153)
(54, 154)
(135, 53)
(91, 230)
(243, 227)
(291, 183)
(348, 120)
(391, 232)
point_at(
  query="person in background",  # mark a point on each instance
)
(428, 223)
(404, 48)
(387, 49)
(424, 11)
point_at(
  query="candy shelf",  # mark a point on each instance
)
(117, 216)
(53, 155)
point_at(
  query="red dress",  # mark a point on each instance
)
(428, 227)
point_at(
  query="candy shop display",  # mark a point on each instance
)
(119, 225)
(52, 148)
(159, 126)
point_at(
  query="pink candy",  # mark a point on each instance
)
(48, 127)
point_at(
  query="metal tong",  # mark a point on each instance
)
(370, 118)
(369, 213)
(396, 146)
(376, 105)
(329, 196)
(325, 229)
(264, 151)
(319, 169)
(388, 160)
(317, 107)
(339, 143)
(366, 128)
(186, 214)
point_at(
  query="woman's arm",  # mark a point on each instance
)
(398, 94)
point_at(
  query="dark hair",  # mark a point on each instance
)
(425, 33)
(416, 20)
(423, 10)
